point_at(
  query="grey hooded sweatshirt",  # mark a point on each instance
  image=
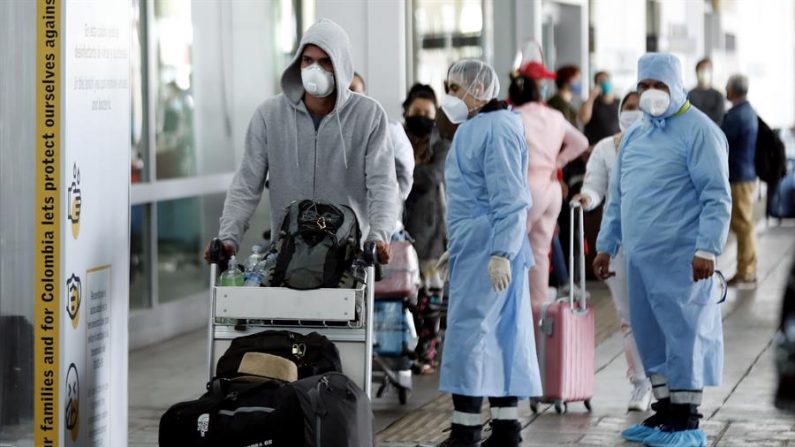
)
(346, 161)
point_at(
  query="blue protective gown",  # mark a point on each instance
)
(670, 197)
(489, 347)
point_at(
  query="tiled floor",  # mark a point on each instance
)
(739, 413)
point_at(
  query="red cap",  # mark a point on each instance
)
(536, 70)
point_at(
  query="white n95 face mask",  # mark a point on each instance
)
(628, 118)
(455, 108)
(655, 102)
(317, 81)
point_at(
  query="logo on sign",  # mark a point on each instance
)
(72, 412)
(75, 201)
(74, 292)
(203, 424)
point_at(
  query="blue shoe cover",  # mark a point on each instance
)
(638, 433)
(686, 438)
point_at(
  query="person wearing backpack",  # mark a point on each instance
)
(319, 141)
(740, 126)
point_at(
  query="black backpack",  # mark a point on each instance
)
(770, 160)
(317, 245)
(313, 353)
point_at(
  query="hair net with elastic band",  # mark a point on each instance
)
(666, 68)
(476, 77)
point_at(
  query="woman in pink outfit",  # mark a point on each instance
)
(553, 142)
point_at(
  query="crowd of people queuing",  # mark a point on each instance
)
(480, 184)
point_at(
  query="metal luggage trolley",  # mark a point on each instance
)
(344, 316)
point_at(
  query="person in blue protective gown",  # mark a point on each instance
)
(669, 207)
(489, 348)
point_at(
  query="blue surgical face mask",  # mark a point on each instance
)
(544, 90)
(607, 87)
(576, 87)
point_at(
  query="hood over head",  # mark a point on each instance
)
(666, 68)
(334, 41)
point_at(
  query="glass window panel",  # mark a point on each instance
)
(173, 33)
(444, 32)
(180, 246)
(292, 18)
(140, 257)
(139, 155)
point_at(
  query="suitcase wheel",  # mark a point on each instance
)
(561, 407)
(534, 405)
(587, 404)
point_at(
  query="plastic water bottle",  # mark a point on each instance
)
(254, 258)
(253, 279)
(232, 277)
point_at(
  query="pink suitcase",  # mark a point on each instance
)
(401, 277)
(566, 339)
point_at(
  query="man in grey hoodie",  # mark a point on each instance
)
(317, 140)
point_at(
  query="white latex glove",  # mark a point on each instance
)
(500, 273)
(443, 265)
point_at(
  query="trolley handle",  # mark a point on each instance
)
(577, 208)
(370, 253)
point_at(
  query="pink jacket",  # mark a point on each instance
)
(552, 141)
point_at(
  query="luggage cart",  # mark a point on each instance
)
(344, 316)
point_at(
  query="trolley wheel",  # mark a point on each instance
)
(534, 405)
(403, 395)
(561, 407)
(588, 405)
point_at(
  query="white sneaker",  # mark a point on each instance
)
(641, 396)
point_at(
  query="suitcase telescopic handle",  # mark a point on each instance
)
(576, 207)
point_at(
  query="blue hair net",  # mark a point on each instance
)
(666, 68)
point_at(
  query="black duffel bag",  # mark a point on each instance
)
(235, 413)
(336, 412)
(313, 353)
(329, 410)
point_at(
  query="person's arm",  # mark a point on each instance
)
(609, 239)
(509, 195)
(708, 165)
(245, 192)
(597, 176)
(586, 109)
(404, 159)
(428, 176)
(574, 144)
(381, 181)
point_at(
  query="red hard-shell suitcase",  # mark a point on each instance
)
(401, 277)
(566, 339)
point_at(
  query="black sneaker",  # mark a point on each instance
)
(661, 416)
(504, 434)
(682, 417)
